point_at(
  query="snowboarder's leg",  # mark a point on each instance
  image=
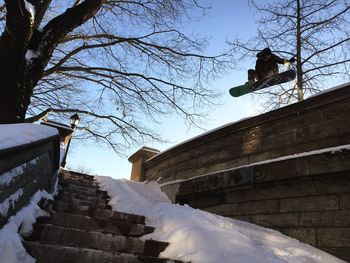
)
(251, 76)
(273, 70)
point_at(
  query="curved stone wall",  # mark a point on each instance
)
(319, 122)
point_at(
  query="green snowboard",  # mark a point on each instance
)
(261, 84)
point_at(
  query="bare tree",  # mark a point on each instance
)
(317, 32)
(113, 62)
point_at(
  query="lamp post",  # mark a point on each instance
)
(74, 120)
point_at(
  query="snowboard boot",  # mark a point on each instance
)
(251, 76)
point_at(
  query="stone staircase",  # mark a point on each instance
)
(83, 228)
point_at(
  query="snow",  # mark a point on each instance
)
(7, 177)
(31, 10)
(62, 151)
(12, 135)
(11, 248)
(31, 54)
(10, 201)
(202, 237)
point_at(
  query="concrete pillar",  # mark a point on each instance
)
(138, 159)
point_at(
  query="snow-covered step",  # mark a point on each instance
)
(55, 235)
(105, 225)
(82, 228)
(45, 253)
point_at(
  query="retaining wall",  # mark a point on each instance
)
(307, 198)
(288, 169)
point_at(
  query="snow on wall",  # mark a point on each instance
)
(10, 201)
(7, 177)
(12, 135)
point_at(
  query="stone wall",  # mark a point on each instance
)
(25, 169)
(288, 169)
(307, 198)
(316, 123)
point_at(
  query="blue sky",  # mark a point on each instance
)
(227, 19)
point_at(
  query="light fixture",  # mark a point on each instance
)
(74, 120)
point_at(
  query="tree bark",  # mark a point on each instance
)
(18, 74)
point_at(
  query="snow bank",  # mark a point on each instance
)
(11, 248)
(202, 237)
(125, 194)
(12, 135)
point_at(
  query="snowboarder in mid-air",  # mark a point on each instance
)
(266, 65)
(265, 73)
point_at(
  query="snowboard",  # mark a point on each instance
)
(280, 78)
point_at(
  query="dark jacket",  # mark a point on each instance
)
(264, 68)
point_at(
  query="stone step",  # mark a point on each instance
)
(76, 175)
(44, 253)
(85, 191)
(99, 203)
(93, 211)
(104, 225)
(64, 181)
(68, 195)
(80, 188)
(56, 235)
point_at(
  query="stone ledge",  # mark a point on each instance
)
(317, 164)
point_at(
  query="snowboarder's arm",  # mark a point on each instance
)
(279, 60)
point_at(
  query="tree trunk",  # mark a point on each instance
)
(13, 45)
(18, 74)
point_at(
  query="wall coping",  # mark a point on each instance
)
(144, 152)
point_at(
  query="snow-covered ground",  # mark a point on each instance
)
(202, 237)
